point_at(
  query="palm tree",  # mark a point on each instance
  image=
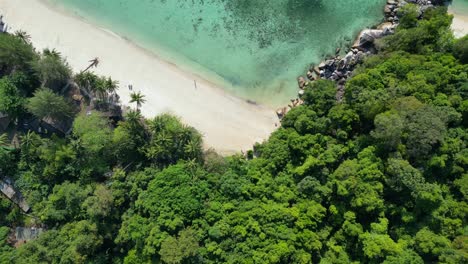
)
(193, 148)
(133, 117)
(25, 37)
(28, 140)
(93, 63)
(192, 166)
(137, 98)
(3, 140)
(111, 85)
(52, 53)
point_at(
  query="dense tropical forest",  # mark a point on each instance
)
(380, 177)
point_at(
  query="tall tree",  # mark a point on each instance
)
(138, 98)
(46, 104)
(23, 35)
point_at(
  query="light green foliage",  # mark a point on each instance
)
(305, 121)
(377, 243)
(75, 242)
(63, 204)
(93, 131)
(430, 245)
(94, 139)
(47, 104)
(359, 181)
(406, 257)
(462, 184)
(15, 55)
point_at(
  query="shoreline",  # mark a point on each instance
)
(339, 69)
(460, 22)
(214, 82)
(229, 124)
(212, 79)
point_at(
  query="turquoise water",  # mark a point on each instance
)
(256, 47)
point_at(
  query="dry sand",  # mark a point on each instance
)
(227, 123)
(459, 24)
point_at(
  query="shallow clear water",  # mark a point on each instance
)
(258, 47)
(459, 7)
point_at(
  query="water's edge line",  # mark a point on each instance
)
(217, 86)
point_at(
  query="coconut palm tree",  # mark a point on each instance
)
(86, 81)
(100, 89)
(28, 140)
(25, 37)
(52, 53)
(138, 98)
(133, 117)
(93, 63)
(111, 85)
(193, 148)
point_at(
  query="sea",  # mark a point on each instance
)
(255, 49)
(459, 7)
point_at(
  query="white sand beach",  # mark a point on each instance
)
(460, 23)
(228, 124)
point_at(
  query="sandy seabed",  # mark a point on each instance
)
(228, 124)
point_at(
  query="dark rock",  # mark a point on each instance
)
(301, 82)
(310, 75)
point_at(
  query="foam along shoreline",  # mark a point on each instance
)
(228, 124)
(459, 24)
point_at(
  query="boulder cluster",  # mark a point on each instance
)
(3, 26)
(341, 66)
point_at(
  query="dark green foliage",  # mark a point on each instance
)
(63, 204)
(6, 251)
(432, 33)
(460, 49)
(15, 55)
(320, 96)
(409, 16)
(11, 101)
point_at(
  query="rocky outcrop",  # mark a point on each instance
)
(3, 26)
(341, 66)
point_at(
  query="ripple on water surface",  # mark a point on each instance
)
(259, 47)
